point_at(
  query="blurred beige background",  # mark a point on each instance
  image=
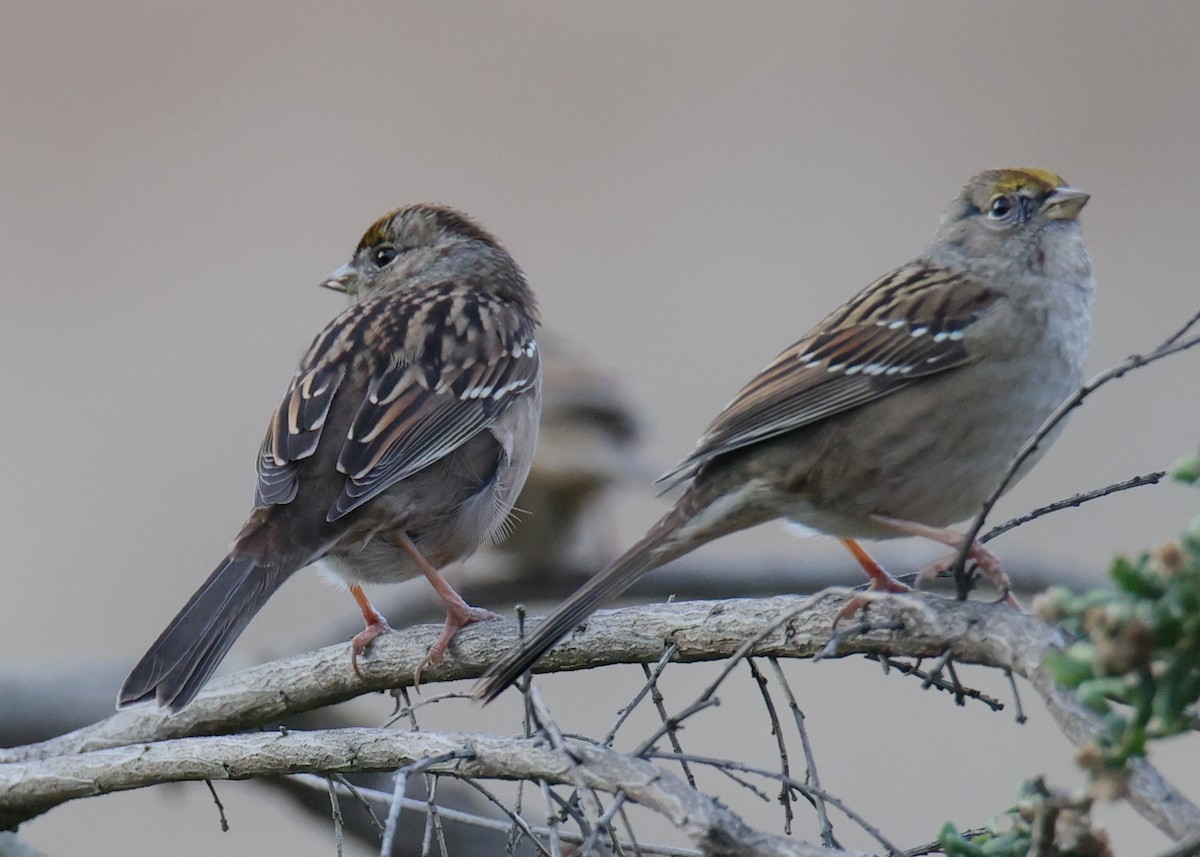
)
(689, 186)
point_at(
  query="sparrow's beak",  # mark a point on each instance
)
(344, 280)
(1064, 204)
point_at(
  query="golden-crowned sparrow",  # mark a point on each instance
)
(406, 434)
(899, 412)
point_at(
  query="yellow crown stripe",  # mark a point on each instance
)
(1027, 178)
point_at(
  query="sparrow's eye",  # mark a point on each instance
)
(383, 255)
(1001, 207)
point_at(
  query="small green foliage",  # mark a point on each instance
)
(1135, 662)
(1187, 469)
(1011, 833)
(1136, 659)
(954, 844)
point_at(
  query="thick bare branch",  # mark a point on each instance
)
(702, 630)
(713, 828)
(925, 626)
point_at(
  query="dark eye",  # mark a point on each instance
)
(383, 255)
(1000, 207)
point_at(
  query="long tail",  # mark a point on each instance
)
(677, 533)
(186, 653)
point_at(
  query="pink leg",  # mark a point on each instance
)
(459, 614)
(881, 581)
(376, 625)
(988, 562)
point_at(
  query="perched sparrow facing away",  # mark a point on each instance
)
(899, 412)
(405, 436)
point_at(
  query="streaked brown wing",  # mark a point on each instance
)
(405, 426)
(905, 326)
(295, 431)
(433, 386)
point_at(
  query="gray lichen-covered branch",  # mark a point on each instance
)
(713, 828)
(792, 627)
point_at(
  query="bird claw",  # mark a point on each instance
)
(456, 620)
(858, 602)
(988, 562)
(364, 638)
(1007, 598)
(989, 567)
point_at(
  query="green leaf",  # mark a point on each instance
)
(1068, 668)
(1136, 579)
(954, 845)
(1010, 844)
(1187, 469)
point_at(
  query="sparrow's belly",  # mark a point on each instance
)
(882, 459)
(448, 510)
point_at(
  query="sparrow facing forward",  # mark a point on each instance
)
(897, 414)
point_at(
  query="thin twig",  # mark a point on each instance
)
(550, 729)
(785, 793)
(671, 725)
(494, 824)
(930, 680)
(336, 809)
(433, 821)
(409, 711)
(867, 827)
(401, 783)
(651, 679)
(514, 833)
(935, 675)
(220, 806)
(1012, 683)
(810, 761)
(551, 821)
(1172, 345)
(516, 821)
(399, 786)
(603, 824)
(960, 692)
(746, 784)
(830, 649)
(571, 808)
(936, 847)
(633, 841)
(705, 699)
(1179, 334)
(409, 708)
(353, 789)
(1072, 502)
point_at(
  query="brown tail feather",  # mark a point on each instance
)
(184, 656)
(666, 541)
